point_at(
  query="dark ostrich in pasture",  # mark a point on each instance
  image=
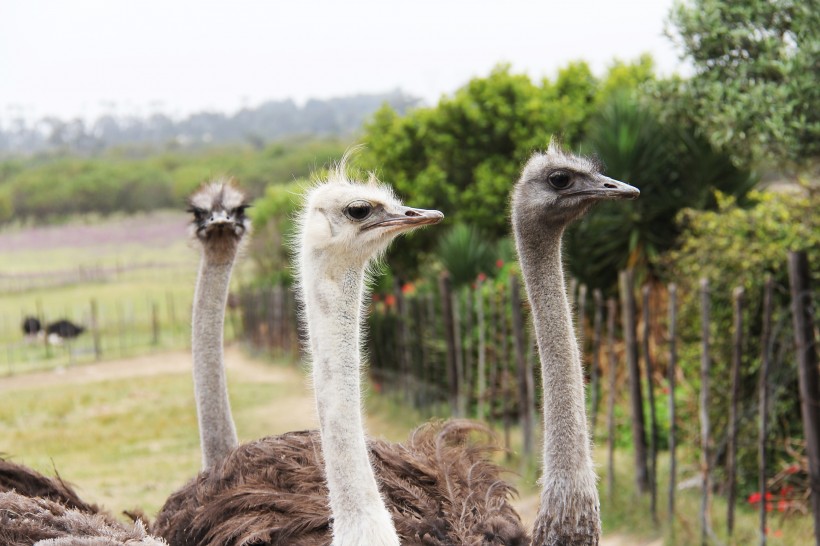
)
(31, 327)
(555, 189)
(64, 329)
(334, 486)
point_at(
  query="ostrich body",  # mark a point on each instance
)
(555, 189)
(25, 521)
(219, 226)
(334, 486)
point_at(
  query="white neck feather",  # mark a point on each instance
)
(333, 299)
(217, 432)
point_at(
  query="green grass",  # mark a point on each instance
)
(143, 301)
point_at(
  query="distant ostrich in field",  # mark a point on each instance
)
(438, 487)
(555, 189)
(62, 330)
(220, 227)
(31, 327)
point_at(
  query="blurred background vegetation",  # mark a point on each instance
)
(727, 160)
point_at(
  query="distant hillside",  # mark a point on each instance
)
(257, 126)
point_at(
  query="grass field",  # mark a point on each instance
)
(138, 270)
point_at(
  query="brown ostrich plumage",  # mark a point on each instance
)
(30, 483)
(440, 485)
(28, 520)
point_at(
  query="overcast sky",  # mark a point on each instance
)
(77, 57)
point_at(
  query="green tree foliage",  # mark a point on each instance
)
(463, 155)
(274, 227)
(756, 89)
(735, 246)
(674, 169)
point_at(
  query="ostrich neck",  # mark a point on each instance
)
(333, 304)
(217, 432)
(566, 443)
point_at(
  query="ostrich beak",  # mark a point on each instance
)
(406, 218)
(602, 187)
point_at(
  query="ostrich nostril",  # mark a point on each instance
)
(411, 213)
(610, 186)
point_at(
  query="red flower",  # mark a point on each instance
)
(778, 533)
(782, 505)
(408, 288)
(665, 390)
(482, 277)
(754, 498)
(499, 264)
(769, 506)
(793, 469)
(390, 300)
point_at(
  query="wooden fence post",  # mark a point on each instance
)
(610, 412)
(653, 422)
(673, 358)
(763, 393)
(481, 379)
(526, 385)
(154, 324)
(469, 347)
(504, 370)
(459, 354)
(705, 365)
(806, 351)
(628, 312)
(595, 366)
(737, 355)
(95, 330)
(402, 340)
(449, 337)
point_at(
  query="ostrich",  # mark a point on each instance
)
(31, 327)
(437, 488)
(555, 189)
(28, 520)
(34, 507)
(219, 226)
(61, 330)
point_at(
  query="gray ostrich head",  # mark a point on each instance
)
(219, 220)
(557, 188)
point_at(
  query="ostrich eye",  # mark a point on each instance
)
(359, 210)
(198, 213)
(560, 180)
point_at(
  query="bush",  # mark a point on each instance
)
(734, 246)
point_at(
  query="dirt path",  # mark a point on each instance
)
(173, 362)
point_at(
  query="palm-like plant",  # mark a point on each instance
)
(673, 167)
(464, 253)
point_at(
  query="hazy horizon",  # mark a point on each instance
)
(92, 57)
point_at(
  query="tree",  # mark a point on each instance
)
(756, 90)
(672, 166)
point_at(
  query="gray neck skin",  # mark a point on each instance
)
(217, 432)
(564, 411)
(569, 500)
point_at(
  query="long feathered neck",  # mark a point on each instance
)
(217, 433)
(569, 498)
(333, 298)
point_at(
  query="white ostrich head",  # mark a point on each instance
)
(219, 222)
(557, 187)
(347, 223)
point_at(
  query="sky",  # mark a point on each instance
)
(82, 58)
